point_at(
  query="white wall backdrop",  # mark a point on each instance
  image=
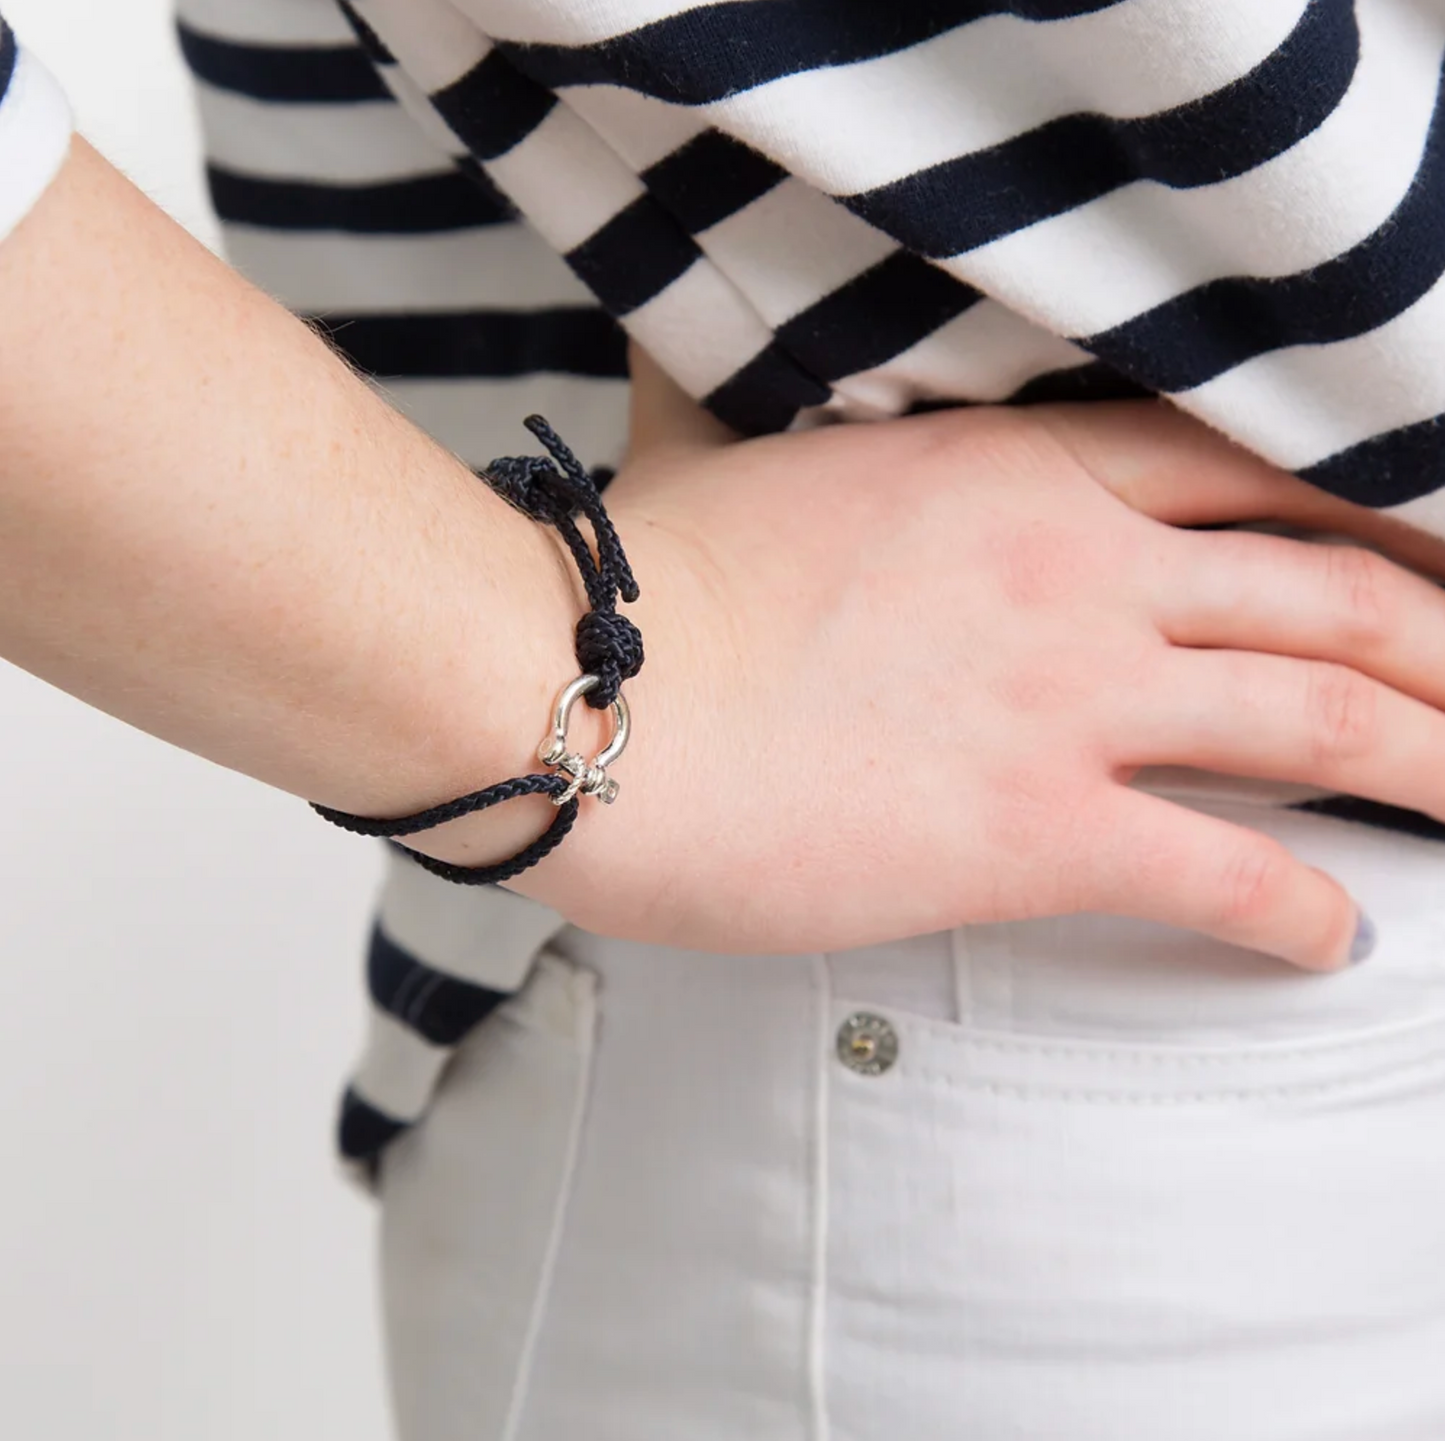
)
(179, 997)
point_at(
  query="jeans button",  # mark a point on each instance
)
(867, 1044)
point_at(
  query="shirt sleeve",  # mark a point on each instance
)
(35, 130)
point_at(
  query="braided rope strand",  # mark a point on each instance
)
(532, 785)
(608, 647)
(524, 860)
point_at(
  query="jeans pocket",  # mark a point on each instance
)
(1100, 977)
(1085, 1238)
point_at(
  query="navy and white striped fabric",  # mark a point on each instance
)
(34, 130)
(848, 208)
(835, 210)
(816, 210)
(335, 200)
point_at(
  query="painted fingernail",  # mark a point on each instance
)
(1365, 937)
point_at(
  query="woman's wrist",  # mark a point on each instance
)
(235, 544)
(494, 704)
(617, 868)
(568, 769)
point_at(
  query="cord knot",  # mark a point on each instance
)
(557, 490)
(609, 646)
(530, 482)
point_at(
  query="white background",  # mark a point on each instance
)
(179, 999)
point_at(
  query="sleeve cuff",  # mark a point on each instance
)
(35, 127)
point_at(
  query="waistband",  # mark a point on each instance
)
(1102, 978)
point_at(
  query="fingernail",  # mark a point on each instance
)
(1365, 937)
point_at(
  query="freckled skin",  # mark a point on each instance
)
(941, 662)
(894, 671)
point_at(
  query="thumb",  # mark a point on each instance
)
(1166, 464)
(662, 417)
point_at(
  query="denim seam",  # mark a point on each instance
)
(578, 979)
(1223, 1056)
(1024, 1092)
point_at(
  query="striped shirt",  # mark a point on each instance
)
(834, 210)
(34, 130)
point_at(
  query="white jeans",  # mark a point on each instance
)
(1119, 1182)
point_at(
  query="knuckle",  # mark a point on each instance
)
(1360, 590)
(1039, 565)
(1025, 690)
(1031, 813)
(1342, 713)
(1254, 883)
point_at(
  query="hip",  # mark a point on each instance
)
(1081, 1177)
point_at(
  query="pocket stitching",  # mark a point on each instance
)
(1365, 1056)
(1021, 1092)
(1157, 1053)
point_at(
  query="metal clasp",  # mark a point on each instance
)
(590, 780)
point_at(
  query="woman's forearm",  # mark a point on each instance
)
(900, 675)
(212, 529)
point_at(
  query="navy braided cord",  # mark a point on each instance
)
(554, 491)
(608, 645)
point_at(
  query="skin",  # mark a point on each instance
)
(212, 529)
(898, 676)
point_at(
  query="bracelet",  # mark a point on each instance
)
(609, 651)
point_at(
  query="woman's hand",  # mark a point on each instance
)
(899, 677)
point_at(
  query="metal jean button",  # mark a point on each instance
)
(867, 1043)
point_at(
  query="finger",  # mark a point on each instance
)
(1325, 602)
(1308, 721)
(1174, 468)
(1189, 869)
(664, 417)
(1167, 465)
